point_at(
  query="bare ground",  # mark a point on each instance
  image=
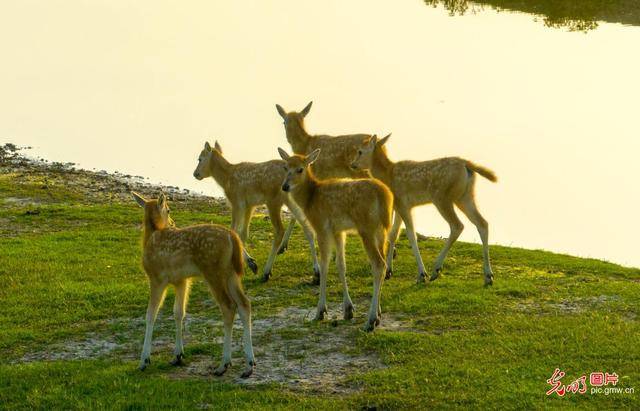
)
(291, 349)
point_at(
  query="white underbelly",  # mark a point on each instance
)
(176, 271)
(343, 224)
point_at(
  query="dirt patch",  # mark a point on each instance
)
(91, 347)
(291, 349)
(568, 305)
(20, 202)
(294, 351)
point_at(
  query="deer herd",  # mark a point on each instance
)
(332, 185)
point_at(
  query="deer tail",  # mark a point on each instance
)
(237, 259)
(483, 171)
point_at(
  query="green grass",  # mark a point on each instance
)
(68, 268)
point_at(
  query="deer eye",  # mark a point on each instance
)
(300, 170)
(359, 152)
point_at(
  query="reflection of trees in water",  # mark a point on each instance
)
(453, 6)
(574, 15)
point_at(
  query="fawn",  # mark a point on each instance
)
(247, 185)
(173, 256)
(334, 207)
(337, 152)
(443, 182)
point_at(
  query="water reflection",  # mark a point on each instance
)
(570, 14)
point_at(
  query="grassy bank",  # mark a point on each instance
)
(74, 296)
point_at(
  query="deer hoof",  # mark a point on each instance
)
(177, 360)
(488, 280)
(282, 249)
(421, 278)
(320, 314)
(221, 369)
(144, 364)
(436, 274)
(370, 325)
(249, 370)
(266, 276)
(388, 274)
(348, 312)
(252, 265)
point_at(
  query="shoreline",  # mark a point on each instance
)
(94, 185)
(103, 186)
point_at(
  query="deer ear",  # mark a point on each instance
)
(217, 146)
(312, 157)
(162, 199)
(281, 111)
(139, 199)
(373, 140)
(283, 154)
(306, 110)
(207, 146)
(384, 139)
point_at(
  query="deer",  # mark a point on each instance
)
(248, 185)
(333, 207)
(337, 151)
(175, 256)
(445, 182)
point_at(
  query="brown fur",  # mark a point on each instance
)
(174, 256)
(337, 152)
(335, 206)
(443, 182)
(237, 261)
(247, 185)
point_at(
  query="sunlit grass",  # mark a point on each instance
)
(68, 269)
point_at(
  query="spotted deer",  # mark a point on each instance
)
(248, 185)
(334, 207)
(174, 256)
(445, 182)
(337, 152)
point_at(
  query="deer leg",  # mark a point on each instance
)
(324, 244)
(455, 227)
(393, 237)
(179, 309)
(287, 234)
(244, 309)
(377, 268)
(238, 222)
(381, 241)
(156, 297)
(278, 233)
(411, 235)
(347, 304)
(470, 209)
(309, 235)
(228, 308)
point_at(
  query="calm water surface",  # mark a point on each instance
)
(139, 87)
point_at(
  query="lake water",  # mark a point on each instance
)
(138, 87)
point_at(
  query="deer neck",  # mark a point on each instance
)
(303, 193)
(149, 229)
(298, 138)
(220, 170)
(381, 166)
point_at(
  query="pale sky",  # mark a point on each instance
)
(138, 87)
